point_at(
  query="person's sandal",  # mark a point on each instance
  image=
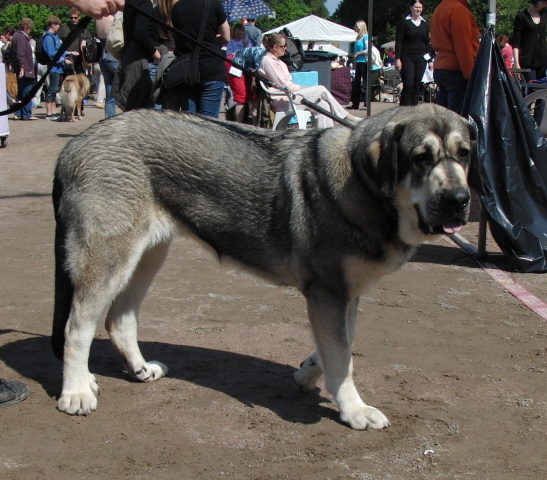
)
(12, 392)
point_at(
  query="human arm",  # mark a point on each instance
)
(399, 39)
(427, 47)
(465, 35)
(94, 8)
(223, 33)
(103, 25)
(516, 39)
(140, 32)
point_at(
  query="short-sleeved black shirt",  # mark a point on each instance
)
(186, 16)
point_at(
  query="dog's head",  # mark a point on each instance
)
(421, 158)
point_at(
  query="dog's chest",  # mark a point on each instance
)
(362, 274)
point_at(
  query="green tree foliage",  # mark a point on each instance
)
(285, 12)
(14, 12)
(289, 10)
(505, 15)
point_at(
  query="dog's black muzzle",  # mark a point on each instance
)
(446, 213)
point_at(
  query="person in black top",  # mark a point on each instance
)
(206, 98)
(529, 40)
(141, 56)
(412, 50)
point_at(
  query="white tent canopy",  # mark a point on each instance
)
(317, 29)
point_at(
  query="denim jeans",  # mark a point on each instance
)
(452, 87)
(25, 85)
(204, 99)
(53, 87)
(108, 68)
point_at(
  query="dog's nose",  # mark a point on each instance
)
(456, 199)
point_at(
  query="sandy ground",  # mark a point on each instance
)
(456, 363)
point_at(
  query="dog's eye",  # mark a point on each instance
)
(422, 157)
(464, 153)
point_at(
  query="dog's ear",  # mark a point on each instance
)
(473, 175)
(388, 163)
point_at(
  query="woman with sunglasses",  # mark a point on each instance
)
(277, 71)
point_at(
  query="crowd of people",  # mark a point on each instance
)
(442, 49)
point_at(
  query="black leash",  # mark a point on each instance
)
(74, 33)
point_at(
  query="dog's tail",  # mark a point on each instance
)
(64, 288)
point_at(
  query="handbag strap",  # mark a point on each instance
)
(197, 48)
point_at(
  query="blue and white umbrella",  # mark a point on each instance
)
(239, 9)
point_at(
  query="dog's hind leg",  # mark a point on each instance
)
(333, 325)
(100, 272)
(122, 318)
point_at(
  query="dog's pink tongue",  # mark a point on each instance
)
(452, 226)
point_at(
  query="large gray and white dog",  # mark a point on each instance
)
(327, 211)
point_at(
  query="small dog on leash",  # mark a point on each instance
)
(73, 92)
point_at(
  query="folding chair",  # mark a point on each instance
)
(283, 118)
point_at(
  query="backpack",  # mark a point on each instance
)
(114, 40)
(41, 56)
(294, 54)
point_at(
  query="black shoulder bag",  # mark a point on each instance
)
(184, 70)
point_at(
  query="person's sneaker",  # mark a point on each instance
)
(12, 392)
(51, 117)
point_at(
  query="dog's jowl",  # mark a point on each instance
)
(327, 211)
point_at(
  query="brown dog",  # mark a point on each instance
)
(73, 92)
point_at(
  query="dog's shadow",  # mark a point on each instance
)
(250, 380)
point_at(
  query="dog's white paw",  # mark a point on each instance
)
(80, 402)
(309, 373)
(150, 371)
(365, 417)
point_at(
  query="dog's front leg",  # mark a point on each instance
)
(333, 325)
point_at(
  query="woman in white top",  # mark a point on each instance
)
(277, 71)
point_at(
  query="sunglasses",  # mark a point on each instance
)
(285, 46)
(74, 18)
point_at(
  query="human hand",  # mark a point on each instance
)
(157, 57)
(398, 64)
(98, 8)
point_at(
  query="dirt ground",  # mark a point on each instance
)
(457, 364)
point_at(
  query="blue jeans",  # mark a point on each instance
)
(53, 87)
(452, 87)
(204, 99)
(25, 85)
(108, 69)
